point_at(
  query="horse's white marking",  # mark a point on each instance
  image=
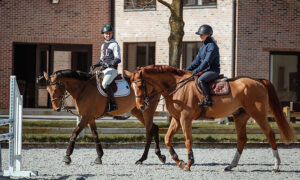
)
(134, 88)
(234, 162)
(277, 160)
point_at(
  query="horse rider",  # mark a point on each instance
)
(109, 60)
(207, 61)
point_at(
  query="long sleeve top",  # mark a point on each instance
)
(207, 59)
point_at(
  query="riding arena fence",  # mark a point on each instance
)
(15, 134)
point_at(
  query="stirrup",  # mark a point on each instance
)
(111, 107)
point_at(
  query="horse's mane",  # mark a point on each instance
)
(83, 76)
(162, 69)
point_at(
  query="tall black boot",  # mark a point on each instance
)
(207, 99)
(111, 105)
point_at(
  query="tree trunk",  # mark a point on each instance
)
(177, 31)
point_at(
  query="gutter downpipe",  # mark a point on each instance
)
(233, 38)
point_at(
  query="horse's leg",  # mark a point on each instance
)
(240, 120)
(173, 128)
(269, 133)
(77, 130)
(260, 116)
(161, 157)
(97, 142)
(186, 125)
(149, 134)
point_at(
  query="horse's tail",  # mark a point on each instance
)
(286, 131)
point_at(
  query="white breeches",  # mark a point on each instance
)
(109, 76)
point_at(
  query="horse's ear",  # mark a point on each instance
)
(46, 75)
(127, 73)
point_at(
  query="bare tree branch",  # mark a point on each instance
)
(167, 4)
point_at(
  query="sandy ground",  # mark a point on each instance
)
(255, 163)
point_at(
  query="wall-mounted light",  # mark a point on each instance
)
(54, 1)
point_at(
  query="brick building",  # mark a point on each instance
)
(257, 38)
(39, 36)
(268, 44)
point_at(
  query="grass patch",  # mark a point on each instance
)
(142, 138)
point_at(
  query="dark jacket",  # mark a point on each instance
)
(207, 59)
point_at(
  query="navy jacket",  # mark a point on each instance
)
(207, 59)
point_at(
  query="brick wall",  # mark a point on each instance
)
(36, 21)
(264, 26)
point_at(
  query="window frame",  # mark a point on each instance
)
(139, 8)
(195, 6)
(126, 53)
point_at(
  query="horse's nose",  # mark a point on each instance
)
(142, 107)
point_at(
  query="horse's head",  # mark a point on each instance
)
(142, 89)
(56, 90)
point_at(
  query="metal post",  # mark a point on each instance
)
(11, 125)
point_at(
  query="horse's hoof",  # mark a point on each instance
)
(98, 161)
(162, 158)
(275, 170)
(228, 168)
(181, 164)
(139, 162)
(186, 168)
(67, 159)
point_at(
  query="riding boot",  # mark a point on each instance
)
(111, 105)
(207, 99)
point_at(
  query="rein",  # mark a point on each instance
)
(147, 98)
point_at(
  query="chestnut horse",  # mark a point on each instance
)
(248, 98)
(90, 104)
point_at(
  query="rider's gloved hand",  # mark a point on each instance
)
(197, 74)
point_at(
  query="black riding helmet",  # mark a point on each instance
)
(205, 29)
(107, 28)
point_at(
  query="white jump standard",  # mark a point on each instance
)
(15, 134)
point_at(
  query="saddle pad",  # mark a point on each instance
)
(219, 88)
(122, 90)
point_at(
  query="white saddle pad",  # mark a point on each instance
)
(123, 88)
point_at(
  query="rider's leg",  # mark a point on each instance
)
(109, 76)
(111, 99)
(203, 81)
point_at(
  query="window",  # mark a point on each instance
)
(285, 76)
(199, 2)
(139, 4)
(138, 55)
(190, 50)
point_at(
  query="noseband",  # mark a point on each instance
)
(62, 97)
(145, 95)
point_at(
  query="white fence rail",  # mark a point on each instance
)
(15, 134)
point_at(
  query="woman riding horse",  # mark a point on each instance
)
(248, 98)
(207, 62)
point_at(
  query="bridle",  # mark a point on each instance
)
(147, 98)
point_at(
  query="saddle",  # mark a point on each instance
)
(113, 83)
(219, 86)
(119, 85)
